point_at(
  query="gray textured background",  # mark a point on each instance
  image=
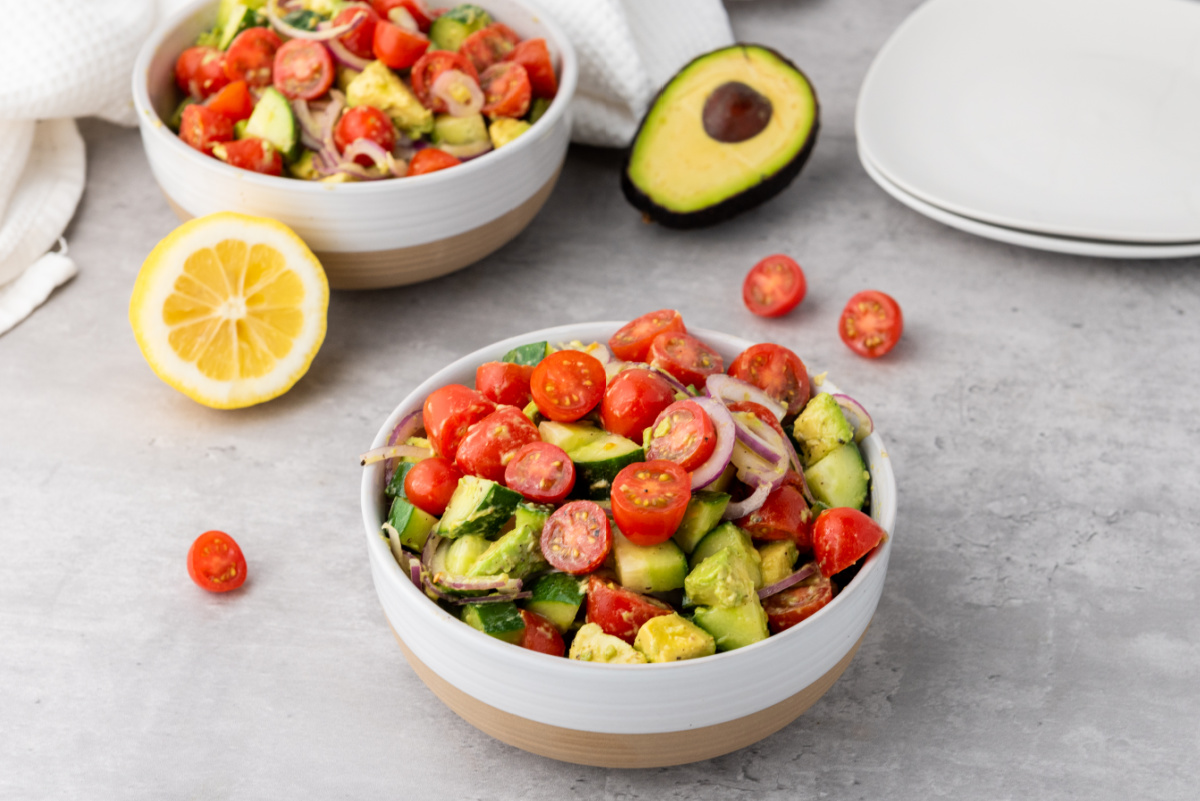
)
(1037, 636)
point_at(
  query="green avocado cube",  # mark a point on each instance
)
(723, 579)
(820, 428)
(517, 554)
(778, 559)
(670, 638)
(734, 626)
(591, 644)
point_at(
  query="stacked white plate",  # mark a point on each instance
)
(1064, 125)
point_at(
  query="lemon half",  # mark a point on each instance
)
(230, 309)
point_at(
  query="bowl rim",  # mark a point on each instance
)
(152, 124)
(416, 599)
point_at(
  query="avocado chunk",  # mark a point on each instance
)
(478, 506)
(840, 479)
(730, 130)
(505, 129)
(464, 552)
(778, 559)
(378, 86)
(734, 626)
(517, 554)
(820, 427)
(591, 644)
(723, 579)
(670, 638)
(727, 535)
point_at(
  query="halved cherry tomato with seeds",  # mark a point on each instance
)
(649, 500)
(200, 71)
(685, 357)
(430, 160)
(577, 538)
(427, 69)
(430, 483)
(491, 443)
(842, 536)
(364, 122)
(358, 41)
(632, 340)
(776, 371)
(541, 472)
(774, 286)
(201, 127)
(535, 58)
(251, 153)
(759, 411)
(567, 384)
(540, 635)
(633, 400)
(302, 69)
(396, 47)
(251, 55)
(505, 383)
(215, 562)
(871, 323)
(490, 45)
(618, 611)
(448, 412)
(234, 101)
(786, 609)
(683, 434)
(783, 516)
(506, 90)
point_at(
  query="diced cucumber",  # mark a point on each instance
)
(727, 535)
(177, 115)
(450, 29)
(501, 620)
(703, 514)
(537, 109)
(533, 515)
(778, 560)
(517, 554)
(408, 526)
(820, 428)
(598, 462)
(464, 552)
(529, 354)
(568, 436)
(272, 120)
(841, 478)
(735, 626)
(557, 597)
(478, 506)
(670, 638)
(395, 487)
(239, 18)
(653, 568)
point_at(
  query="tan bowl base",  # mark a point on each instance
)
(626, 750)
(385, 268)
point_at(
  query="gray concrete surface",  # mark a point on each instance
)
(1037, 637)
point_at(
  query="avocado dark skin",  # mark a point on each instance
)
(735, 129)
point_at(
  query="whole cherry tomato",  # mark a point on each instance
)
(430, 483)
(632, 402)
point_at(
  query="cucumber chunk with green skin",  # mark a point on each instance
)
(517, 554)
(840, 479)
(273, 121)
(724, 579)
(408, 526)
(395, 487)
(568, 436)
(558, 597)
(177, 115)
(598, 462)
(778, 560)
(735, 626)
(670, 638)
(241, 17)
(450, 29)
(478, 506)
(501, 620)
(703, 514)
(820, 428)
(652, 568)
(537, 109)
(530, 354)
(727, 535)
(464, 552)
(533, 515)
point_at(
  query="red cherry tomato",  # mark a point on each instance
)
(491, 443)
(234, 101)
(490, 45)
(215, 562)
(540, 635)
(505, 383)
(201, 127)
(506, 90)
(427, 69)
(567, 384)
(649, 499)
(364, 122)
(251, 55)
(430, 483)
(535, 58)
(783, 516)
(252, 154)
(358, 41)
(397, 47)
(420, 14)
(871, 324)
(577, 538)
(685, 357)
(633, 400)
(302, 69)
(683, 434)
(759, 411)
(200, 71)
(842, 536)
(431, 160)
(541, 472)
(776, 371)
(618, 611)
(632, 340)
(449, 412)
(774, 286)
(786, 609)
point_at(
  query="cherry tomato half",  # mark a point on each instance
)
(506, 90)
(251, 153)
(842, 536)
(429, 160)
(490, 45)
(397, 47)
(618, 611)
(540, 635)
(685, 357)
(783, 516)
(786, 609)
(649, 499)
(632, 340)
(200, 71)
(215, 562)
(535, 58)
(491, 443)
(541, 472)
(420, 14)
(251, 55)
(302, 69)
(427, 69)
(505, 383)
(577, 538)
(774, 286)
(430, 482)
(683, 434)
(775, 370)
(234, 101)
(633, 400)
(358, 41)
(567, 384)
(759, 411)
(201, 127)
(364, 122)
(871, 323)
(448, 412)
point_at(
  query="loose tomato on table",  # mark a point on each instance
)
(506, 90)
(841, 537)
(505, 383)
(567, 384)
(427, 69)
(397, 47)
(491, 443)
(774, 286)
(759, 411)
(683, 434)
(871, 323)
(490, 45)
(618, 611)
(649, 500)
(302, 69)
(252, 154)
(541, 472)
(533, 55)
(786, 609)
(358, 41)
(775, 370)
(430, 483)
(686, 358)
(540, 635)
(783, 516)
(577, 538)
(419, 12)
(234, 101)
(200, 71)
(215, 562)
(449, 412)
(633, 400)
(251, 55)
(431, 160)
(202, 128)
(364, 122)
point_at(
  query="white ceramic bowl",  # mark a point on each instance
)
(622, 715)
(369, 234)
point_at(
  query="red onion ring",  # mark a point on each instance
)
(394, 452)
(343, 56)
(444, 86)
(728, 389)
(747, 505)
(715, 465)
(409, 425)
(856, 416)
(779, 586)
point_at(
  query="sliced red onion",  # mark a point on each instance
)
(408, 426)
(797, 577)
(394, 452)
(856, 416)
(319, 35)
(428, 552)
(675, 383)
(728, 390)
(476, 584)
(414, 570)
(722, 422)
(371, 149)
(450, 87)
(759, 437)
(600, 352)
(343, 56)
(310, 129)
(752, 503)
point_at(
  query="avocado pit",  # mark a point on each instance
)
(735, 112)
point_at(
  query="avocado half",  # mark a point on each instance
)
(729, 131)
